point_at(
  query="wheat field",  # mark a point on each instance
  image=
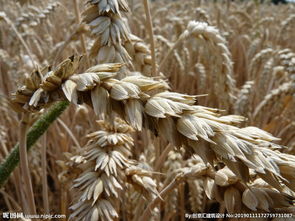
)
(147, 110)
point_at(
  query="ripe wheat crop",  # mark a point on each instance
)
(139, 110)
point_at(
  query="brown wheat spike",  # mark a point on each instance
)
(262, 22)
(173, 163)
(237, 197)
(224, 81)
(224, 84)
(142, 181)
(201, 74)
(175, 117)
(243, 99)
(107, 24)
(258, 60)
(197, 192)
(286, 26)
(105, 155)
(186, 58)
(140, 54)
(264, 77)
(114, 41)
(106, 168)
(224, 186)
(35, 16)
(41, 83)
(254, 47)
(287, 60)
(275, 96)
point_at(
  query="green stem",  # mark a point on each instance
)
(35, 132)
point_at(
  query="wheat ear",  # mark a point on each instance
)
(139, 99)
(109, 28)
(102, 179)
(224, 83)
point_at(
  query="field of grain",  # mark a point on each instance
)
(147, 111)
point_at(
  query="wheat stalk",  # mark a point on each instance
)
(151, 33)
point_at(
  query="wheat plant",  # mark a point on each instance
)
(139, 110)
